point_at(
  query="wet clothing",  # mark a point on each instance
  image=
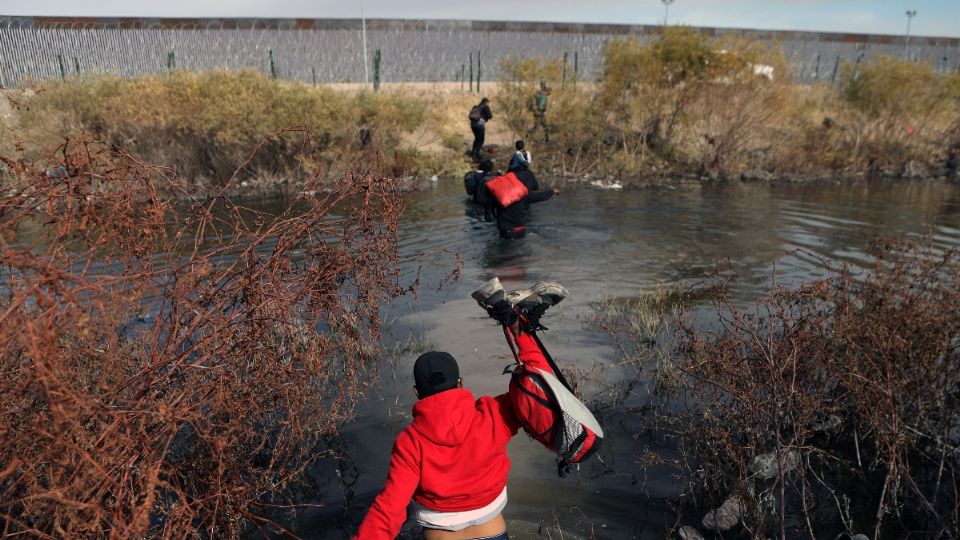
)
(474, 183)
(452, 457)
(478, 127)
(518, 213)
(520, 162)
(515, 233)
(529, 179)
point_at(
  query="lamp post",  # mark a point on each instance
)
(363, 31)
(911, 13)
(666, 13)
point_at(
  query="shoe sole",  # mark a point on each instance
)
(486, 291)
(555, 291)
(518, 296)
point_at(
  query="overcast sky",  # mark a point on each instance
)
(934, 17)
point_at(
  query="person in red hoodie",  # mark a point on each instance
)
(452, 459)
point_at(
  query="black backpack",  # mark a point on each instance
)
(483, 195)
(474, 113)
(471, 180)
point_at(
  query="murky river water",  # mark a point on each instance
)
(603, 244)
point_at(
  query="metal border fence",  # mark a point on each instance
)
(330, 50)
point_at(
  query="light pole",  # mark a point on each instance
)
(911, 13)
(363, 32)
(666, 12)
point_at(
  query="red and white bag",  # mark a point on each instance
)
(550, 413)
(507, 189)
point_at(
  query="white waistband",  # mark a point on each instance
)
(455, 521)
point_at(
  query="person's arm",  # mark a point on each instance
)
(389, 509)
(530, 353)
(540, 196)
(508, 426)
(486, 112)
(527, 158)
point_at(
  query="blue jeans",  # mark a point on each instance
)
(501, 536)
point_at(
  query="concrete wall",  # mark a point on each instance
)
(330, 50)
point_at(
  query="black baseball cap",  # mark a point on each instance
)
(435, 372)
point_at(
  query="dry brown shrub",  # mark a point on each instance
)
(169, 370)
(857, 375)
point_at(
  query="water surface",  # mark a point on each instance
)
(604, 244)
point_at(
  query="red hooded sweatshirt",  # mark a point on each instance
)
(451, 458)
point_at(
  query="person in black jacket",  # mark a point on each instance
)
(479, 116)
(473, 181)
(512, 220)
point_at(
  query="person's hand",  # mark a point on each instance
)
(556, 191)
(503, 312)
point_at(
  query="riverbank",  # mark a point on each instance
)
(684, 107)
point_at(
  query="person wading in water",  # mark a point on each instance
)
(452, 459)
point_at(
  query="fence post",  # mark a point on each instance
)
(816, 70)
(478, 71)
(76, 65)
(576, 66)
(273, 67)
(313, 72)
(463, 76)
(376, 71)
(836, 66)
(471, 72)
(171, 61)
(563, 74)
(63, 72)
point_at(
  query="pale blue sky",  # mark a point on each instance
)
(934, 17)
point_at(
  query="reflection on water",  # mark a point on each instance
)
(603, 244)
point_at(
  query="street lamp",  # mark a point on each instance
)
(911, 13)
(666, 13)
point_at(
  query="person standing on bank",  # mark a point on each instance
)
(479, 116)
(539, 108)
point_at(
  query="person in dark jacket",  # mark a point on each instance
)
(512, 220)
(473, 181)
(478, 124)
(452, 459)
